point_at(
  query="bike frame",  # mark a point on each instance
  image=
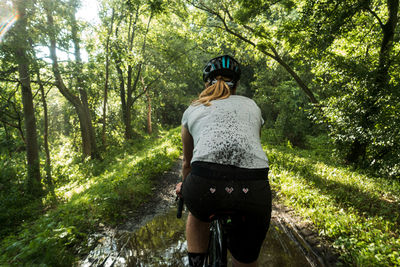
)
(217, 247)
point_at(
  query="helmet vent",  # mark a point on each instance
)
(225, 66)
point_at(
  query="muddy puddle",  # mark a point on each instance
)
(161, 242)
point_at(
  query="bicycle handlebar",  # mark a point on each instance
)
(180, 208)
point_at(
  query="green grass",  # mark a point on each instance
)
(92, 193)
(359, 213)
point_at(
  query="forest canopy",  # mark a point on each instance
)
(314, 67)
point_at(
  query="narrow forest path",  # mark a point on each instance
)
(108, 249)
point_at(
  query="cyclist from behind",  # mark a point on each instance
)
(224, 166)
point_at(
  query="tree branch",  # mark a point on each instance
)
(226, 27)
(7, 72)
(9, 123)
(9, 80)
(376, 16)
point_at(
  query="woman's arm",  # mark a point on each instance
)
(187, 143)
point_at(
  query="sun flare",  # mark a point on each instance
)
(8, 17)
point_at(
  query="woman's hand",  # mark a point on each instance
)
(178, 189)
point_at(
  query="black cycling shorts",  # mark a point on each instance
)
(212, 189)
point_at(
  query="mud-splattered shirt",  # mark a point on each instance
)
(227, 132)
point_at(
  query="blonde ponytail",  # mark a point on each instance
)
(218, 90)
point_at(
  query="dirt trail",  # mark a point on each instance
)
(317, 250)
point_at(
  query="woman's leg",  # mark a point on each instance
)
(197, 234)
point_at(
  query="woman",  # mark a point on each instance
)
(224, 166)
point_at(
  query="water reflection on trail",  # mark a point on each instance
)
(161, 242)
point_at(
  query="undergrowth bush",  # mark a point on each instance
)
(92, 193)
(15, 205)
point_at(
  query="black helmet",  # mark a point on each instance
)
(225, 66)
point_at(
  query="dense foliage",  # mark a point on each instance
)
(357, 212)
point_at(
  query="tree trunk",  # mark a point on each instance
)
(125, 114)
(127, 98)
(145, 89)
(34, 185)
(127, 106)
(129, 103)
(49, 179)
(103, 134)
(357, 152)
(83, 123)
(118, 65)
(86, 116)
(387, 44)
(149, 126)
(8, 139)
(87, 120)
(81, 105)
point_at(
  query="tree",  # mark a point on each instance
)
(41, 84)
(129, 67)
(80, 101)
(357, 45)
(21, 47)
(107, 51)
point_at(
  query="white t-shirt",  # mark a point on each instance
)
(227, 132)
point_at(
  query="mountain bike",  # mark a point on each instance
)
(217, 246)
